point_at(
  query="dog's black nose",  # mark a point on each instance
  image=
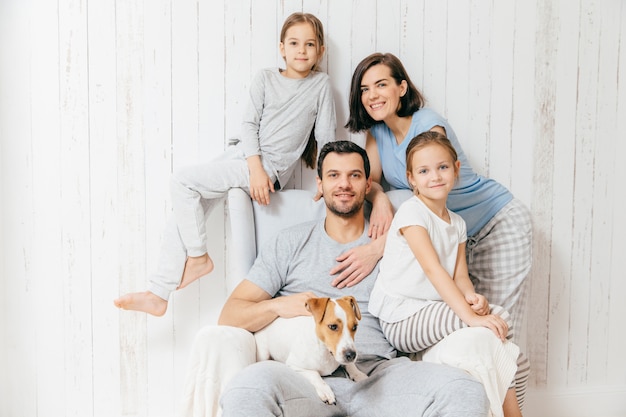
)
(350, 356)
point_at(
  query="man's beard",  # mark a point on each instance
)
(345, 212)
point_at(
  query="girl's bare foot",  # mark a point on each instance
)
(510, 407)
(195, 267)
(142, 301)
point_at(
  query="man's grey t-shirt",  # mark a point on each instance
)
(299, 259)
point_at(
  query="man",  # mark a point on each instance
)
(293, 267)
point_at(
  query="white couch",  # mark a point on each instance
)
(250, 224)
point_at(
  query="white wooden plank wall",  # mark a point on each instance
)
(100, 101)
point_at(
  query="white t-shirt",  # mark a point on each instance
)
(402, 288)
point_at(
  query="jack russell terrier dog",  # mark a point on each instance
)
(315, 346)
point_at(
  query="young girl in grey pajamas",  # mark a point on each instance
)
(289, 110)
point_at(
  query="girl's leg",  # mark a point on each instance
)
(165, 280)
(195, 191)
(429, 326)
(183, 257)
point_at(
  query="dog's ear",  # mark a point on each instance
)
(354, 305)
(317, 307)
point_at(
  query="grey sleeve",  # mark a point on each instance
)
(326, 120)
(252, 117)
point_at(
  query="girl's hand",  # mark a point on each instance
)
(260, 186)
(497, 325)
(478, 303)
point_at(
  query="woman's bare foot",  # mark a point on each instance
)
(142, 301)
(195, 267)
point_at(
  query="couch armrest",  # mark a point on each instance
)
(240, 241)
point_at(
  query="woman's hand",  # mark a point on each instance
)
(381, 217)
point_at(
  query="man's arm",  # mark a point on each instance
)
(251, 308)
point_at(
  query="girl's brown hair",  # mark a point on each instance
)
(411, 102)
(424, 139)
(318, 28)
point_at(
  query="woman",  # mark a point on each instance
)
(386, 104)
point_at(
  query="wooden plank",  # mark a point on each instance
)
(455, 97)
(340, 61)
(565, 76)
(561, 271)
(104, 206)
(544, 118)
(265, 24)
(185, 304)
(412, 39)
(76, 208)
(211, 143)
(362, 40)
(478, 141)
(158, 130)
(617, 308)
(434, 65)
(604, 190)
(586, 131)
(522, 132)
(47, 209)
(501, 71)
(236, 82)
(18, 396)
(131, 190)
(388, 26)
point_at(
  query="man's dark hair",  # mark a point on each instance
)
(343, 146)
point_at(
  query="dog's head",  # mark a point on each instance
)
(336, 323)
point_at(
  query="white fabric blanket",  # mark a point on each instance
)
(479, 352)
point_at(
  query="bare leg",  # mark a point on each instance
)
(146, 302)
(510, 405)
(195, 267)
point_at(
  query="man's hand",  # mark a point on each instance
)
(357, 263)
(292, 305)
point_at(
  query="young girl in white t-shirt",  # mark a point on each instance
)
(423, 291)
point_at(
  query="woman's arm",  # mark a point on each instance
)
(382, 210)
(251, 308)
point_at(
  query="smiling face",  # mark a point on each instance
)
(343, 183)
(380, 93)
(301, 50)
(433, 173)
